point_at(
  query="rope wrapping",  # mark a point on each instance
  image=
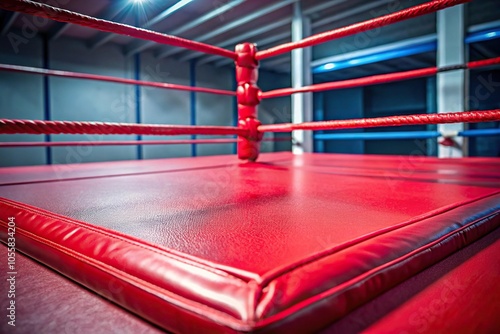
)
(419, 10)
(16, 126)
(421, 119)
(62, 15)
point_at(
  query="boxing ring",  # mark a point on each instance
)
(253, 242)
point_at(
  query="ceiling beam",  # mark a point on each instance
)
(244, 37)
(138, 46)
(348, 13)
(166, 13)
(310, 11)
(108, 14)
(105, 37)
(264, 29)
(11, 18)
(58, 29)
(102, 37)
(166, 52)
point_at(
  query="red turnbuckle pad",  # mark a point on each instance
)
(245, 111)
(248, 95)
(251, 124)
(245, 55)
(249, 146)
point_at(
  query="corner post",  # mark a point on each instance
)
(248, 96)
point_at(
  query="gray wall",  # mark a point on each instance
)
(161, 106)
(277, 110)
(214, 109)
(89, 100)
(22, 96)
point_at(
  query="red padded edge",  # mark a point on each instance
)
(429, 302)
(112, 264)
(328, 288)
(175, 291)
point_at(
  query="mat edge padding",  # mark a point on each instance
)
(147, 279)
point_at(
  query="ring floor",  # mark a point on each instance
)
(294, 243)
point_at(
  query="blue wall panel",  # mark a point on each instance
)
(344, 104)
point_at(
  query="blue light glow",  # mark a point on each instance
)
(377, 57)
(398, 52)
(481, 36)
(378, 135)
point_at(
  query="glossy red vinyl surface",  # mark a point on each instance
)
(429, 302)
(254, 245)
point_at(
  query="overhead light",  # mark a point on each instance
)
(169, 11)
(328, 66)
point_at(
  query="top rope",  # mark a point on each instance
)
(62, 15)
(378, 22)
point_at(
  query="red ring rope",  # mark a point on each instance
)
(76, 75)
(131, 142)
(371, 80)
(441, 118)
(426, 8)
(484, 63)
(62, 15)
(13, 126)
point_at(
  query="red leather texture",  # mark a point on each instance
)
(429, 302)
(246, 246)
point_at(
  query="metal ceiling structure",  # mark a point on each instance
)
(226, 23)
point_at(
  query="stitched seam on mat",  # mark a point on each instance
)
(128, 278)
(380, 268)
(150, 247)
(367, 237)
(106, 176)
